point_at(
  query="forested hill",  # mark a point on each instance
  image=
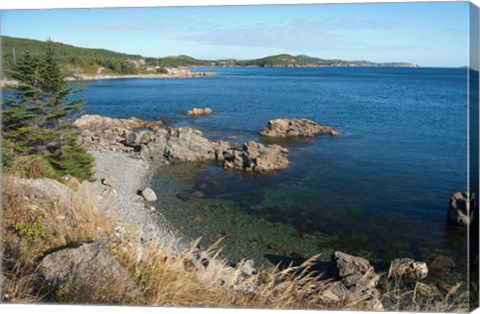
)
(73, 58)
(76, 60)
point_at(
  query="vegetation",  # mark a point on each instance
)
(38, 138)
(75, 60)
(34, 225)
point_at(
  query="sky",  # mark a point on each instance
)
(429, 34)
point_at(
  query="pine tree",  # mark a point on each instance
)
(38, 115)
(20, 129)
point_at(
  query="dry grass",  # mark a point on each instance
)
(30, 167)
(399, 296)
(33, 227)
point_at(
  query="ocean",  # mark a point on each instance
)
(381, 191)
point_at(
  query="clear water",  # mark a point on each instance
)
(381, 191)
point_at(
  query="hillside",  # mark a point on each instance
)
(86, 61)
(74, 59)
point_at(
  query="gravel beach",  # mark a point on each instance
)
(120, 177)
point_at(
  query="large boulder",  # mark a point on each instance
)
(355, 283)
(256, 157)
(45, 188)
(461, 209)
(296, 128)
(90, 265)
(408, 268)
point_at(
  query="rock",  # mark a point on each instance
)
(106, 182)
(296, 128)
(187, 195)
(461, 209)
(139, 137)
(442, 262)
(248, 267)
(90, 265)
(407, 268)
(45, 188)
(188, 144)
(98, 132)
(149, 195)
(256, 157)
(199, 112)
(429, 291)
(151, 141)
(358, 281)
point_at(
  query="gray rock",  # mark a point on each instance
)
(408, 268)
(90, 265)
(256, 157)
(45, 188)
(149, 195)
(357, 282)
(296, 128)
(461, 209)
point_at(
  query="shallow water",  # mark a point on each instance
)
(381, 191)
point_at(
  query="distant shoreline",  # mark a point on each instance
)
(82, 77)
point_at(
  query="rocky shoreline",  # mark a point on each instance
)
(128, 151)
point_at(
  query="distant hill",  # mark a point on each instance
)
(76, 60)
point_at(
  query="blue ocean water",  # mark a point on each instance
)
(384, 187)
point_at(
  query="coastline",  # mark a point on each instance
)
(175, 75)
(180, 74)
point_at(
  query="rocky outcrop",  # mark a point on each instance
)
(408, 268)
(461, 209)
(296, 128)
(150, 140)
(188, 144)
(355, 283)
(256, 157)
(97, 132)
(196, 112)
(86, 266)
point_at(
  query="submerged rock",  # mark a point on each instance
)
(408, 268)
(199, 112)
(256, 157)
(296, 128)
(461, 209)
(441, 263)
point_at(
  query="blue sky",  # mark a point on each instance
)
(430, 34)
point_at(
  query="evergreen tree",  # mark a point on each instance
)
(37, 117)
(22, 109)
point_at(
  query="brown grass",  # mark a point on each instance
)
(30, 167)
(32, 227)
